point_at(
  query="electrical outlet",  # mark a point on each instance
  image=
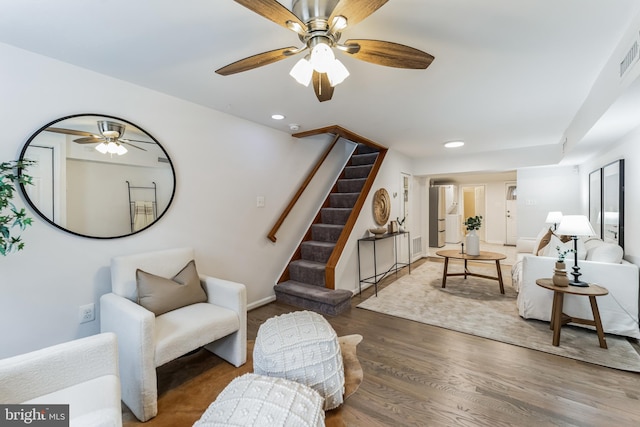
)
(87, 313)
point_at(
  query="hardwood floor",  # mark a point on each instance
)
(420, 375)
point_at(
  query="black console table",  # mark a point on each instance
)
(377, 277)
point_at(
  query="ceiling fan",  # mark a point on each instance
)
(318, 24)
(109, 140)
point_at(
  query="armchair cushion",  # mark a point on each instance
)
(160, 295)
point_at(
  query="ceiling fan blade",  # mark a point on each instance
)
(127, 140)
(89, 140)
(355, 10)
(68, 131)
(390, 54)
(322, 87)
(255, 61)
(273, 11)
(131, 145)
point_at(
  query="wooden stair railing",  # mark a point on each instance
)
(339, 132)
(287, 210)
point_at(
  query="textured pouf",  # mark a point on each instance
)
(302, 346)
(258, 401)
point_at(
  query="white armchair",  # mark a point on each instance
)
(147, 341)
(82, 373)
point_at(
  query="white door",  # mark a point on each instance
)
(511, 213)
(405, 209)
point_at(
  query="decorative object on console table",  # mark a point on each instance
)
(393, 227)
(554, 217)
(381, 206)
(574, 226)
(473, 223)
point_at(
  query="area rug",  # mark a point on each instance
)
(188, 385)
(475, 306)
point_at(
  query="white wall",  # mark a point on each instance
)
(222, 163)
(544, 189)
(627, 148)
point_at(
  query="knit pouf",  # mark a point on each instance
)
(258, 401)
(302, 346)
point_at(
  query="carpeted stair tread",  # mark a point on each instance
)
(360, 171)
(306, 271)
(316, 251)
(364, 159)
(326, 301)
(364, 149)
(353, 185)
(343, 200)
(336, 216)
(326, 232)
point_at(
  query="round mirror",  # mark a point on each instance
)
(98, 176)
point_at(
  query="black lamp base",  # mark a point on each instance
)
(579, 284)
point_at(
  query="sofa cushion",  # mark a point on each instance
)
(551, 249)
(160, 295)
(606, 252)
(260, 401)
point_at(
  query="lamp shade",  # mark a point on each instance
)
(554, 217)
(575, 225)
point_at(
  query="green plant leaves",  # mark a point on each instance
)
(11, 173)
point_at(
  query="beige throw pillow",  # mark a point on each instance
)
(160, 295)
(543, 242)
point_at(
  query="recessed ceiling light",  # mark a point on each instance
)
(277, 117)
(454, 144)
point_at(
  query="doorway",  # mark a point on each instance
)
(473, 203)
(511, 214)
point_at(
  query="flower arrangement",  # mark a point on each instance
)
(10, 216)
(562, 253)
(473, 222)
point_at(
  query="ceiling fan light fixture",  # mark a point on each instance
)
(337, 73)
(322, 58)
(302, 72)
(102, 148)
(120, 150)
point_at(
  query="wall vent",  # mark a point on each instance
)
(416, 248)
(629, 59)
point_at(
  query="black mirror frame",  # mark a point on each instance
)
(106, 116)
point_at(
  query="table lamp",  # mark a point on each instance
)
(574, 226)
(554, 217)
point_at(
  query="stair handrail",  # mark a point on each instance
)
(287, 210)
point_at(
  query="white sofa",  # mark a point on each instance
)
(82, 374)
(618, 309)
(147, 341)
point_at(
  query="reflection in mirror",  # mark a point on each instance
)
(98, 176)
(613, 202)
(595, 201)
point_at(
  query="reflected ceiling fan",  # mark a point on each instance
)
(318, 24)
(109, 140)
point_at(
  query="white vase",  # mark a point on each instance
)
(473, 243)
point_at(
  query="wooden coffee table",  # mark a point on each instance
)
(558, 318)
(484, 256)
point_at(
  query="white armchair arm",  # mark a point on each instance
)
(135, 328)
(233, 296)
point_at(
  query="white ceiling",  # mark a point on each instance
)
(506, 74)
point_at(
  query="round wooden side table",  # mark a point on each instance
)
(558, 318)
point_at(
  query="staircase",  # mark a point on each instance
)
(303, 283)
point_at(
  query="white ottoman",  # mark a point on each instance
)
(302, 346)
(258, 401)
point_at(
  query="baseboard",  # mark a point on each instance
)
(261, 302)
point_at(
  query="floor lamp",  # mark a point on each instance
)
(574, 226)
